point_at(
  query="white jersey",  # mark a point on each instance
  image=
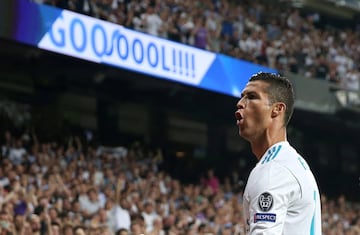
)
(281, 195)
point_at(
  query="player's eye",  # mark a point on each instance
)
(251, 96)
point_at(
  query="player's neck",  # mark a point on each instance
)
(262, 144)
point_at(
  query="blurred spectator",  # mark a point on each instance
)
(122, 232)
(90, 203)
(137, 224)
(173, 27)
(351, 84)
(200, 33)
(211, 181)
(149, 214)
(119, 218)
(103, 9)
(151, 21)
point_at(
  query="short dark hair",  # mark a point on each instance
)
(118, 232)
(280, 90)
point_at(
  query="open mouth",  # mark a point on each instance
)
(238, 117)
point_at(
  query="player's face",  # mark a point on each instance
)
(253, 112)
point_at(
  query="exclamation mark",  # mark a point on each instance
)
(174, 60)
(180, 61)
(193, 65)
(187, 63)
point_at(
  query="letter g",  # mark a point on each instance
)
(60, 42)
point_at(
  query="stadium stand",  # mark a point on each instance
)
(60, 187)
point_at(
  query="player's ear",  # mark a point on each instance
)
(277, 109)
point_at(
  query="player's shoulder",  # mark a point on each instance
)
(275, 161)
(278, 152)
(272, 176)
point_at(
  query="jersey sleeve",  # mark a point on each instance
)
(269, 198)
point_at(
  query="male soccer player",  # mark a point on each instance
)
(281, 194)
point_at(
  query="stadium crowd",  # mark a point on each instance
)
(275, 35)
(74, 187)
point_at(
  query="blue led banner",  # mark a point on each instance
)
(91, 39)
